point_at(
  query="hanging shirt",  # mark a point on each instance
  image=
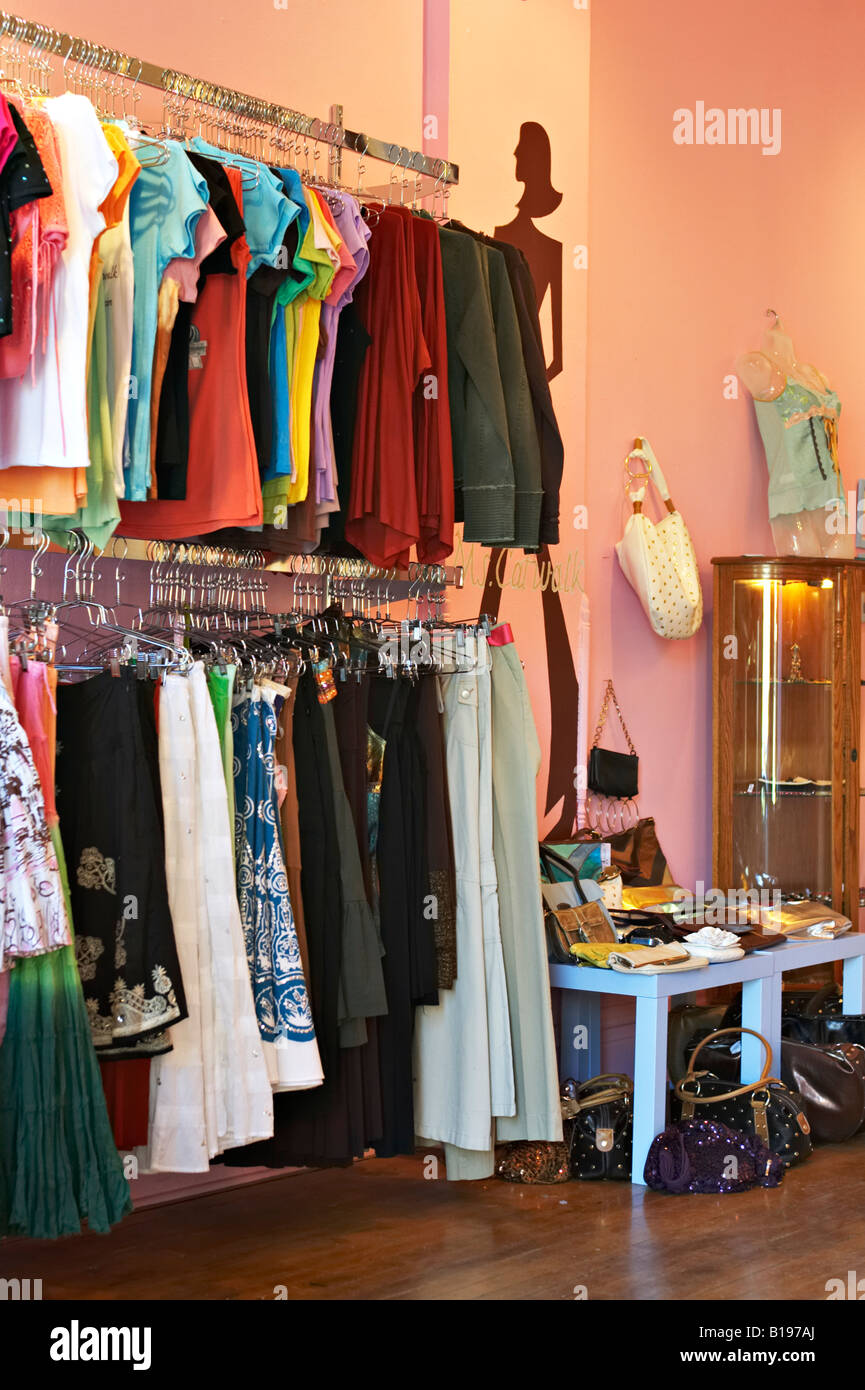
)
(179, 283)
(262, 287)
(300, 272)
(166, 203)
(116, 293)
(266, 210)
(383, 517)
(172, 434)
(223, 487)
(128, 169)
(40, 233)
(352, 345)
(355, 234)
(319, 253)
(282, 337)
(209, 233)
(43, 418)
(8, 133)
(434, 464)
(483, 465)
(22, 180)
(99, 514)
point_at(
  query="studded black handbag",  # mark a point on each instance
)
(598, 1123)
(765, 1108)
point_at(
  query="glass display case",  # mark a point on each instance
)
(787, 695)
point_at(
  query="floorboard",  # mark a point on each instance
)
(383, 1231)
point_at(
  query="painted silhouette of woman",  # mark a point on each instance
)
(544, 255)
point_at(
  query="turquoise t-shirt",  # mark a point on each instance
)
(165, 204)
(266, 210)
(304, 273)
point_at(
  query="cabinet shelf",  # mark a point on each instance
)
(814, 795)
(783, 618)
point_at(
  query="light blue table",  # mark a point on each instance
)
(761, 976)
(580, 1054)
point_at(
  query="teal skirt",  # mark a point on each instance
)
(59, 1167)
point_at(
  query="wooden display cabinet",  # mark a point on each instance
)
(787, 687)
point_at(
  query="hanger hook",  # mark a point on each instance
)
(35, 568)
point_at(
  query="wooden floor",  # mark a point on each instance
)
(383, 1231)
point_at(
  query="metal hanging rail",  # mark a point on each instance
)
(43, 39)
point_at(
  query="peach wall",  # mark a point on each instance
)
(514, 61)
(689, 246)
(482, 67)
(305, 54)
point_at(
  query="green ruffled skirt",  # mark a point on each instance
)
(59, 1167)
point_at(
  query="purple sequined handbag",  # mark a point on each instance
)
(706, 1156)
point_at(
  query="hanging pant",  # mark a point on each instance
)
(463, 1062)
(516, 762)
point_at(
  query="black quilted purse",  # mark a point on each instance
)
(598, 1124)
(765, 1108)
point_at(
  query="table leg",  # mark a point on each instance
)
(580, 1049)
(761, 1010)
(854, 985)
(650, 1079)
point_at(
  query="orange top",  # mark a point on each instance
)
(223, 487)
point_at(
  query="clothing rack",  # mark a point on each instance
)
(130, 573)
(44, 39)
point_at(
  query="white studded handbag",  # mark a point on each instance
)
(658, 559)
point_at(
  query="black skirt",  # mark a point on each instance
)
(110, 810)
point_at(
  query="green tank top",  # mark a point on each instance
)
(800, 432)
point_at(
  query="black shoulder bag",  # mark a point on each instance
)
(612, 774)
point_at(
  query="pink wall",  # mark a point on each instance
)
(689, 246)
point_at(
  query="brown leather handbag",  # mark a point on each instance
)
(830, 1082)
(827, 1077)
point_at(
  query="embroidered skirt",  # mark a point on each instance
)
(111, 823)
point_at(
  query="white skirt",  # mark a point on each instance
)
(212, 1092)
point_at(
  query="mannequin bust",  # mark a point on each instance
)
(797, 414)
(766, 371)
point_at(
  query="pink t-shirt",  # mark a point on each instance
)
(8, 133)
(209, 232)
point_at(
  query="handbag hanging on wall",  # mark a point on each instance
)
(612, 774)
(658, 561)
